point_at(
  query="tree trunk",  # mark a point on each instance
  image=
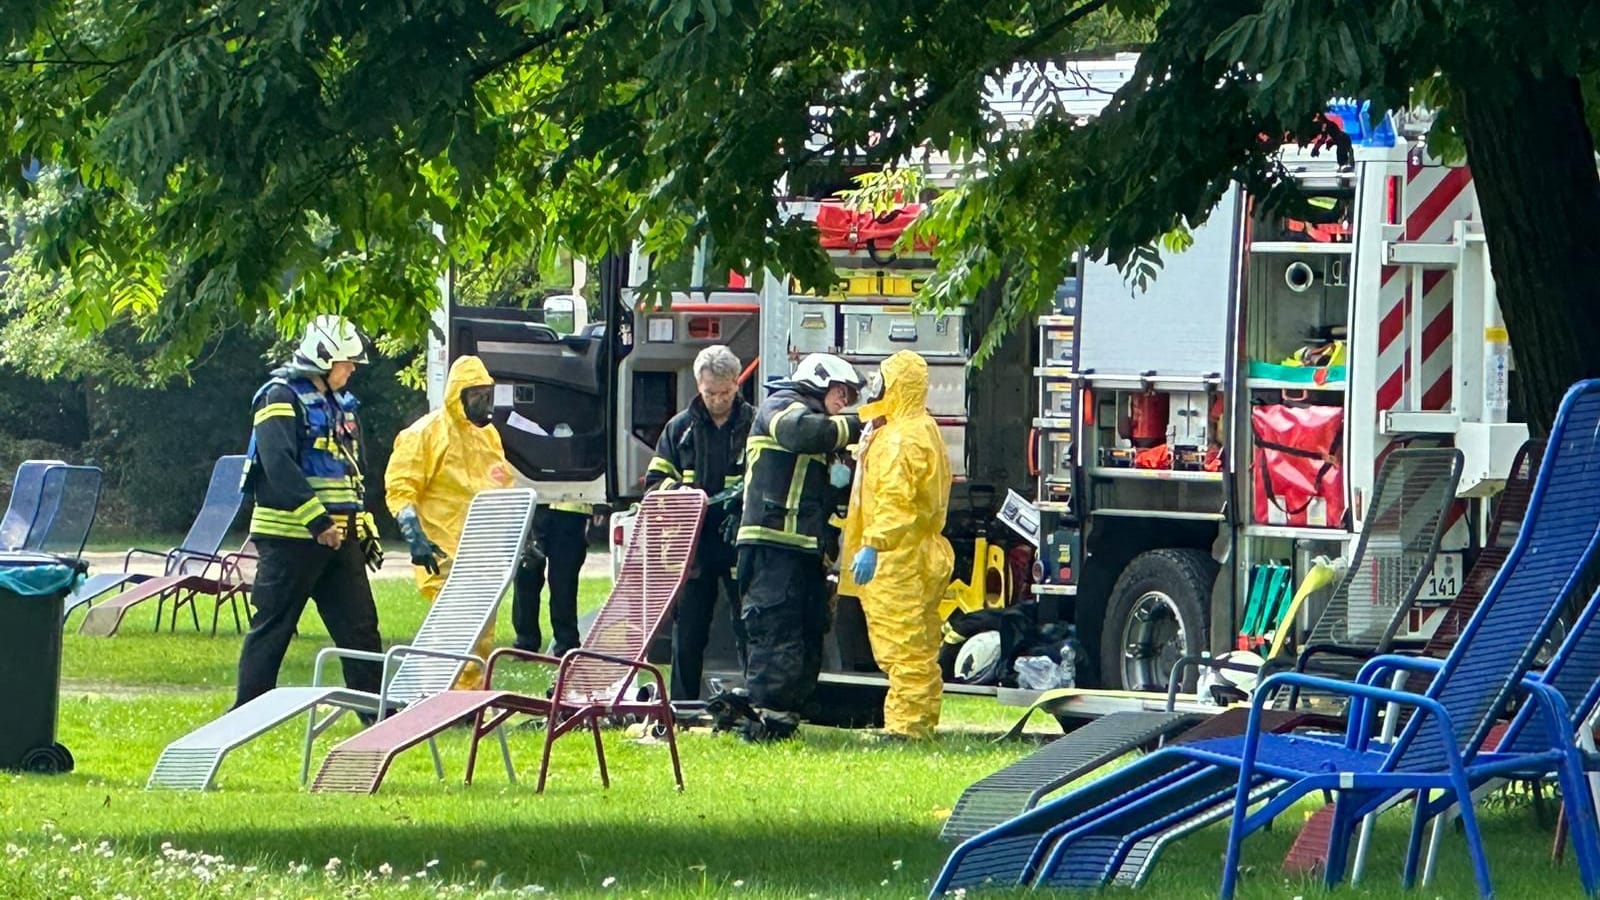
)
(1533, 166)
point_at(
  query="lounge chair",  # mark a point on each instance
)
(485, 562)
(193, 566)
(598, 680)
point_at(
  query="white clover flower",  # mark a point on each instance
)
(610, 880)
(738, 883)
(430, 864)
(386, 870)
(333, 865)
(900, 862)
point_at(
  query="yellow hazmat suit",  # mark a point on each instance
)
(440, 462)
(897, 507)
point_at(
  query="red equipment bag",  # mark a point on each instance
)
(1298, 480)
(842, 228)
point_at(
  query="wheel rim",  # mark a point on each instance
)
(1153, 640)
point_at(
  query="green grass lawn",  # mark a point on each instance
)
(827, 816)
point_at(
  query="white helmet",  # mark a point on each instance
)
(823, 370)
(330, 339)
(979, 660)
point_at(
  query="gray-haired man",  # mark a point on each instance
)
(703, 447)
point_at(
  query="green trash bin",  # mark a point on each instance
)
(32, 589)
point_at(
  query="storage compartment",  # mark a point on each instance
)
(947, 388)
(811, 327)
(883, 330)
(1055, 456)
(1059, 347)
(1058, 400)
(1298, 479)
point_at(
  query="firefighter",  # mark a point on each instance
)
(440, 462)
(312, 533)
(703, 447)
(790, 491)
(900, 560)
(561, 535)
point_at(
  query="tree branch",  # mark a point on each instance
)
(1053, 29)
(537, 42)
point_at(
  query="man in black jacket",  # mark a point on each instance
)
(703, 447)
(795, 477)
(309, 524)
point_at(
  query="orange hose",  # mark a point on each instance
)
(749, 370)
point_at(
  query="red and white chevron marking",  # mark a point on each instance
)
(1435, 197)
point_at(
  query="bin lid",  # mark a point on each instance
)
(35, 574)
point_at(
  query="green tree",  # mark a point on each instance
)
(224, 147)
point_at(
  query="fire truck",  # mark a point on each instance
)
(1123, 421)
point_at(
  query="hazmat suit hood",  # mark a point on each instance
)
(905, 388)
(465, 372)
(441, 461)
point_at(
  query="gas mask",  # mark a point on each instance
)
(478, 404)
(873, 392)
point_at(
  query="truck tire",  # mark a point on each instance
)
(1156, 614)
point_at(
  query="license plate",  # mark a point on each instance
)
(1444, 581)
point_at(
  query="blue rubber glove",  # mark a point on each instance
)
(424, 553)
(865, 565)
(839, 475)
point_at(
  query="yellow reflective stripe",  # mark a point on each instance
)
(273, 529)
(569, 506)
(657, 464)
(758, 443)
(797, 483)
(274, 410)
(666, 484)
(774, 536)
(772, 423)
(306, 512)
(842, 425)
(276, 522)
(688, 476)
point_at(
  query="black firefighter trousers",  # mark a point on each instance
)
(562, 543)
(290, 572)
(785, 613)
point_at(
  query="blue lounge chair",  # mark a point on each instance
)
(1113, 828)
(26, 487)
(186, 567)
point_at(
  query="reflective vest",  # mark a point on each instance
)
(329, 454)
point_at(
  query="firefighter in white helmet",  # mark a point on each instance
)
(309, 523)
(794, 477)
